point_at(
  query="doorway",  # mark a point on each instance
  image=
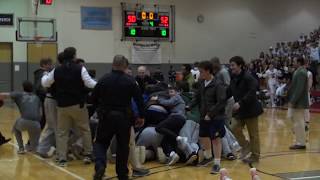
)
(6, 66)
(36, 52)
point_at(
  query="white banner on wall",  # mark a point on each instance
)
(146, 53)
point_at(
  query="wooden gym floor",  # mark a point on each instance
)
(277, 160)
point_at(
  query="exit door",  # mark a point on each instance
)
(38, 51)
(6, 58)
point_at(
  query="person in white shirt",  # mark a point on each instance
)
(307, 111)
(272, 75)
(195, 71)
(272, 52)
(315, 53)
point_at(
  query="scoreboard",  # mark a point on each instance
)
(147, 24)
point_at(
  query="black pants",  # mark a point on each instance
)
(93, 129)
(153, 117)
(170, 128)
(314, 70)
(113, 123)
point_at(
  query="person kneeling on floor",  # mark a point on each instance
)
(30, 109)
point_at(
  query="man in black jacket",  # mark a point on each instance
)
(113, 95)
(143, 79)
(211, 98)
(246, 109)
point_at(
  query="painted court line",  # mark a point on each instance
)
(9, 160)
(55, 166)
(310, 177)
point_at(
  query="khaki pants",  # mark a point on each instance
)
(237, 127)
(229, 109)
(298, 126)
(50, 132)
(134, 155)
(77, 118)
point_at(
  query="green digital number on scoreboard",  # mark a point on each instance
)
(133, 32)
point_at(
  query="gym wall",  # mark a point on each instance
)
(233, 27)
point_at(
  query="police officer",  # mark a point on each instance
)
(113, 95)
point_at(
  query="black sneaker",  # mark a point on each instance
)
(205, 162)
(123, 177)
(62, 163)
(215, 169)
(297, 147)
(250, 160)
(5, 141)
(306, 128)
(99, 174)
(76, 151)
(231, 157)
(140, 172)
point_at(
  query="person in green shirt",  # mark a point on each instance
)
(187, 75)
(298, 101)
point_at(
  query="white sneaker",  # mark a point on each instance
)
(161, 156)
(51, 152)
(173, 159)
(254, 174)
(224, 175)
(142, 154)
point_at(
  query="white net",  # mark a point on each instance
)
(38, 41)
(146, 53)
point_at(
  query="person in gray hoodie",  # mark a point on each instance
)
(171, 126)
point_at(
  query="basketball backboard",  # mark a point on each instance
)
(36, 29)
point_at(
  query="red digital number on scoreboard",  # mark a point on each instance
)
(48, 1)
(132, 19)
(164, 20)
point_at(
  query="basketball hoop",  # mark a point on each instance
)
(38, 40)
